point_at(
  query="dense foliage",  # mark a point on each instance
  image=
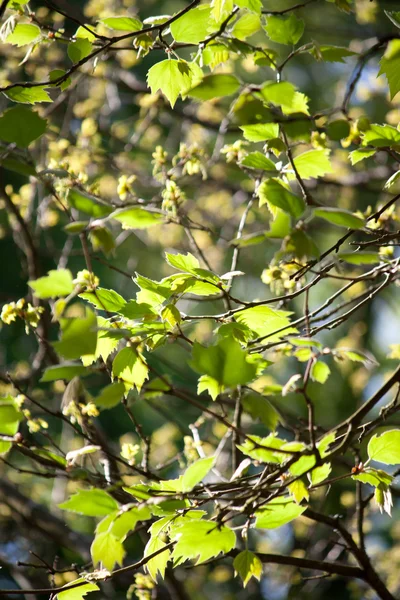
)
(199, 239)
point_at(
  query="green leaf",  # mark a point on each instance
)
(110, 396)
(92, 503)
(299, 490)
(130, 368)
(276, 193)
(264, 321)
(252, 5)
(360, 154)
(385, 448)
(281, 94)
(79, 49)
(320, 371)
(122, 23)
(260, 132)
(172, 77)
(319, 474)
(259, 407)
(257, 160)
(158, 564)
(337, 130)
(340, 217)
(392, 180)
(78, 592)
(196, 473)
(221, 9)
(225, 362)
(248, 565)
(313, 163)
(202, 540)
(21, 126)
(381, 136)
(78, 336)
(121, 522)
(284, 30)
(183, 262)
(56, 74)
(192, 27)
(53, 285)
(88, 204)
(23, 34)
(246, 26)
(331, 53)
(215, 86)
(171, 315)
(360, 258)
(278, 512)
(28, 95)
(66, 371)
(390, 66)
(107, 550)
(208, 384)
(374, 477)
(137, 218)
(260, 448)
(104, 299)
(10, 417)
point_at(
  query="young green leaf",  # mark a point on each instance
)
(30, 95)
(248, 565)
(170, 76)
(278, 512)
(257, 160)
(87, 203)
(194, 26)
(202, 540)
(122, 23)
(79, 591)
(137, 218)
(103, 299)
(340, 217)
(107, 550)
(78, 336)
(214, 86)
(313, 163)
(320, 371)
(266, 322)
(53, 285)
(24, 34)
(92, 503)
(79, 49)
(275, 192)
(390, 66)
(130, 368)
(21, 126)
(225, 362)
(385, 448)
(260, 132)
(158, 564)
(196, 473)
(284, 30)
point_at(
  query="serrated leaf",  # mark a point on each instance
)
(385, 448)
(110, 396)
(278, 512)
(320, 371)
(221, 9)
(158, 564)
(172, 77)
(257, 160)
(103, 299)
(260, 448)
(246, 26)
(259, 407)
(340, 217)
(202, 540)
(360, 154)
(275, 192)
(78, 592)
(196, 473)
(284, 30)
(57, 283)
(319, 474)
(183, 262)
(299, 490)
(313, 163)
(381, 136)
(92, 503)
(260, 132)
(331, 53)
(130, 368)
(193, 27)
(107, 550)
(264, 321)
(253, 5)
(210, 385)
(248, 565)
(28, 95)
